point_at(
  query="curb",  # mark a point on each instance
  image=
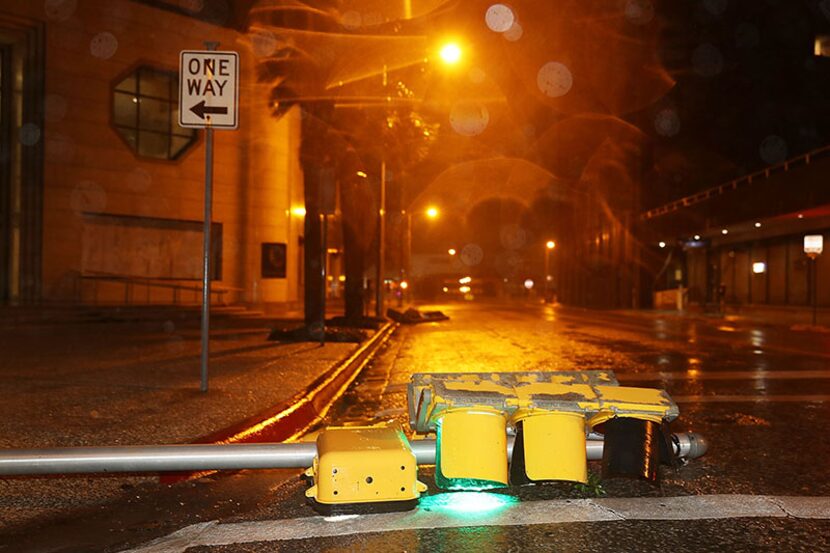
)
(288, 421)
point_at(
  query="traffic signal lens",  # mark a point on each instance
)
(549, 445)
(632, 448)
(471, 449)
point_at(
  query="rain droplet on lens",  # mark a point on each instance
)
(264, 43)
(29, 134)
(499, 18)
(554, 79)
(469, 118)
(472, 254)
(667, 122)
(773, 149)
(351, 20)
(514, 33)
(639, 12)
(103, 45)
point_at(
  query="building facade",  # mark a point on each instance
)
(102, 193)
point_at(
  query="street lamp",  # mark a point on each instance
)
(432, 212)
(450, 53)
(451, 251)
(549, 245)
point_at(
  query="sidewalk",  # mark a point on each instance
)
(133, 383)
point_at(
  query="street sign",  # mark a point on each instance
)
(813, 244)
(208, 89)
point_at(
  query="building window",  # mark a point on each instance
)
(145, 113)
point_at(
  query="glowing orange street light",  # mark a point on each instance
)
(451, 251)
(432, 212)
(450, 53)
(550, 244)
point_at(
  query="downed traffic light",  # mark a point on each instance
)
(364, 464)
(551, 413)
(471, 449)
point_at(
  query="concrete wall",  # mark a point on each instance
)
(89, 169)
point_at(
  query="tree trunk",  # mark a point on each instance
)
(316, 162)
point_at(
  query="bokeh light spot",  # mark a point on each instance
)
(667, 122)
(472, 254)
(103, 45)
(29, 134)
(451, 53)
(264, 44)
(351, 20)
(469, 118)
(499, 18)
(514, 33)
(554, 79)
(639, 12)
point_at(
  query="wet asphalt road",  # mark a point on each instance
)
(760, 395)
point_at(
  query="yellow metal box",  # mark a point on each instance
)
(364, 464)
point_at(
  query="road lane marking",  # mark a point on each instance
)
(722, 375)
(721, 398)
(558, 511)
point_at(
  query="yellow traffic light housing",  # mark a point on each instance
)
(364, 464)
(471, 449)
(549, 445)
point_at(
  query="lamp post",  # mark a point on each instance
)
(549, 245)
(450, 54)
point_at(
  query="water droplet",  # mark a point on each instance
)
(512, 237)
(707, 60)
(29, 134)
(499, 18)
(469, 118)
(639, 12)
(773, 149)
(554, 79)
(103, 45)
(715, 7)
(667, 122)
(54, 108)
(88, 197)
(514, 33)
(472, 254)
(264, 44)
(351, 20)
(747, 36)
(60, 10)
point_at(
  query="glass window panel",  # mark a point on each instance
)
(179, 145)
(128, 84)
(154, 115)
(129, 135)
(153, 144)
(124, 109)
(154, 84)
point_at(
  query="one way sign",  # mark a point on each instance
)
(208, 89)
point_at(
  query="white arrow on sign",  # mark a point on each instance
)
(208, 89)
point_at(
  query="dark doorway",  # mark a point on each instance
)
(21, 160)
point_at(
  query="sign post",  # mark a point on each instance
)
(813, 246)
(208, 99)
